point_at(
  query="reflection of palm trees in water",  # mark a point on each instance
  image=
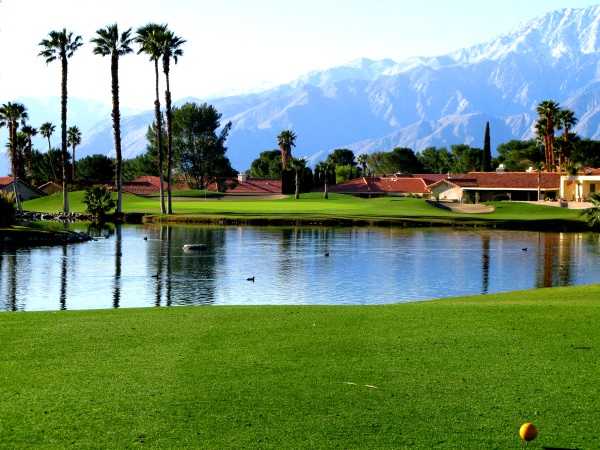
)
(169, 274)
(556, 254)
(118, 255)
(12, 263)
(63, 279)
(159, 268)
(485, 263)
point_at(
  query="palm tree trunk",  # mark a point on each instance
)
(116, 116)
(28, 158)
(73, 165)
(297, 196)
(326, 195)
(158, 120)
(63, 124)
(14, 162)
(169, 143)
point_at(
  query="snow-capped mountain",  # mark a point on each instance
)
(377, 105)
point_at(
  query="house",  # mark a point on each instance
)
(474, 187)
(579, 188)
(25, 191)
(378, 186)
(50, 188)
(245, 186)
(144, 185)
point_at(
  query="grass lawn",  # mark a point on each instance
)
(461, 373)
(313, 206)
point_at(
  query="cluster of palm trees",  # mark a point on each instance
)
(553, 118)
(154, 40)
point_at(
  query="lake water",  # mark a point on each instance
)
(364, 266)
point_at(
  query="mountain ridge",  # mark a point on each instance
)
(369, 105)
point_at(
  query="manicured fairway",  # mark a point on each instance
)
(463, 373)
(313, 206)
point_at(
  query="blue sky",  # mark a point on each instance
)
(239, 45)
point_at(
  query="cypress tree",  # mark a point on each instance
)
(486, 162)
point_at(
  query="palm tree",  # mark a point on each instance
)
(47, 130)
(61, 45)
(151, 39)
(566, 121)
(548, 112)
(74, 140)
(171, 50)
(286, 141)
(109, 42)
(325, 168)
(592, 214)
(298, 165)
(30, 132)
(363, 159)
(11, 115)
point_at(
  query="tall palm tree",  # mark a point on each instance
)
(325, 168)
(61, 45)
(363, 159)
(171, 50)
(548, 111)
(298, 165)
(566, 121)
(109, 42)
(286, 141)
(47, 130)
(11, 115)
(74, 140)
(151, 40)
(30, 132)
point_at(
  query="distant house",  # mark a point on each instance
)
(245, 186)
(580, 187)
(144, 185)
(380, 186)
(50, 188)
(490, 186)
(25, 191)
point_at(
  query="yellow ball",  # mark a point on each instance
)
(528, 432)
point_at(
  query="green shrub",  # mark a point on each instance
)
(98, 201)
(7, 209)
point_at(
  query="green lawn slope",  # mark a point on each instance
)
(461, 373)
(312, 206)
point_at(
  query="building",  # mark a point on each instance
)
(50, 188)
(404, 185)
(477, 187)
(245, 186)
(579, 188)
(25, 191)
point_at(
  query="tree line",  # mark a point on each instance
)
(158, 43)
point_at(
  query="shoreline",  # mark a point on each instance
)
(550, 225)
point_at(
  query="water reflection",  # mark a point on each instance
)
(485, 263)
(291, 265)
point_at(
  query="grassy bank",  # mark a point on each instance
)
(339, 208)
(463, 373)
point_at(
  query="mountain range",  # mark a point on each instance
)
(371, 105)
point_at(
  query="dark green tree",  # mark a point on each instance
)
(267, 166)
(95, 169)
(199, 141)
(486, 161)
(436, 160)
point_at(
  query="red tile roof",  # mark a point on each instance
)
(431, 178)
(382, 185)
(250, 187)
(515, 180)
(5, 181)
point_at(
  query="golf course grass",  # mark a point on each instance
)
(338, 207)
(460, 373)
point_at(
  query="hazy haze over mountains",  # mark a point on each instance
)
(377, 105)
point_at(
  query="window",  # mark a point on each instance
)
(592, 188)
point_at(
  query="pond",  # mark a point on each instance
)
(145, 266)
